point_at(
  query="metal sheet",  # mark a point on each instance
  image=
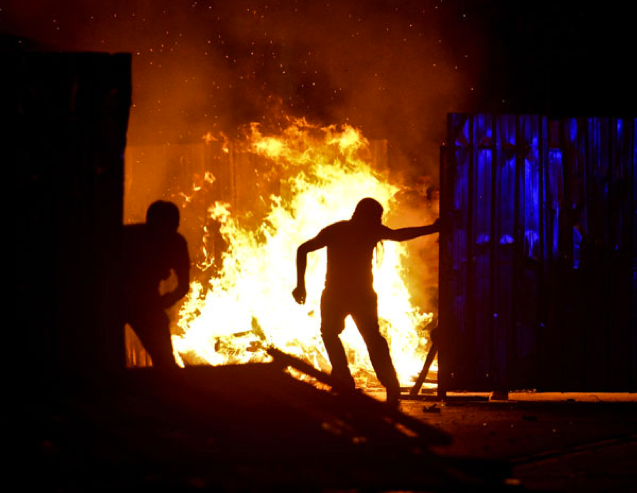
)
(537, 254)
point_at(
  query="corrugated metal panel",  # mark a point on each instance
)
(538, 271)
(68, 115)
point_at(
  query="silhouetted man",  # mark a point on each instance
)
(349, 288)
(151, 251)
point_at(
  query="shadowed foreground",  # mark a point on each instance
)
(248, 427)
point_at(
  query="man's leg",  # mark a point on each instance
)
(332, 324)
(366, 317)
(153, 329)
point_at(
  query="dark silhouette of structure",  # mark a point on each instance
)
(151, 251)
(538, 254)
(349, 288)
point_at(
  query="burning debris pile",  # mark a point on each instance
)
(240, 302)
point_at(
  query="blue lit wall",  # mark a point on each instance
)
(538, 253)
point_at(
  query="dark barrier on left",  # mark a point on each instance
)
(68, 116)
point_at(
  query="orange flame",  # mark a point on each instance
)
(248, 306)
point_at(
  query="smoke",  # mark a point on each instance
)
(392, 68)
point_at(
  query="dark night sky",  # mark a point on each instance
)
(393, 68)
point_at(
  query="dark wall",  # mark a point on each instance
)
(67, 115)
(538, 255)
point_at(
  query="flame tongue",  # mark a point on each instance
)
(248, 306)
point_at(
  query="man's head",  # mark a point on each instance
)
(163, 216)
(368, 211)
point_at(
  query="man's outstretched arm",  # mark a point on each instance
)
(404, 234)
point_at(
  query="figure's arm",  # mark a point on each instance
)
(299, 292)
(403, 234)
(182, 271)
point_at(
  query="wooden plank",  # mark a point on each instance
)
(424, 433)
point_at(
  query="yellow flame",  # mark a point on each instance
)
(210, 137)
(209, 177)
(248, 306)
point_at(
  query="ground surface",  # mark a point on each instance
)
(553, 441)
(256, 428)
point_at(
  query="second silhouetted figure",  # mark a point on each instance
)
(349, 288)
(151, 251)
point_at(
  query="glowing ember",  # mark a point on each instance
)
(248, 306)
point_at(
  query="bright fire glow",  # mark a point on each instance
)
(248, 306)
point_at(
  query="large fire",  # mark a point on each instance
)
(247, 306)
